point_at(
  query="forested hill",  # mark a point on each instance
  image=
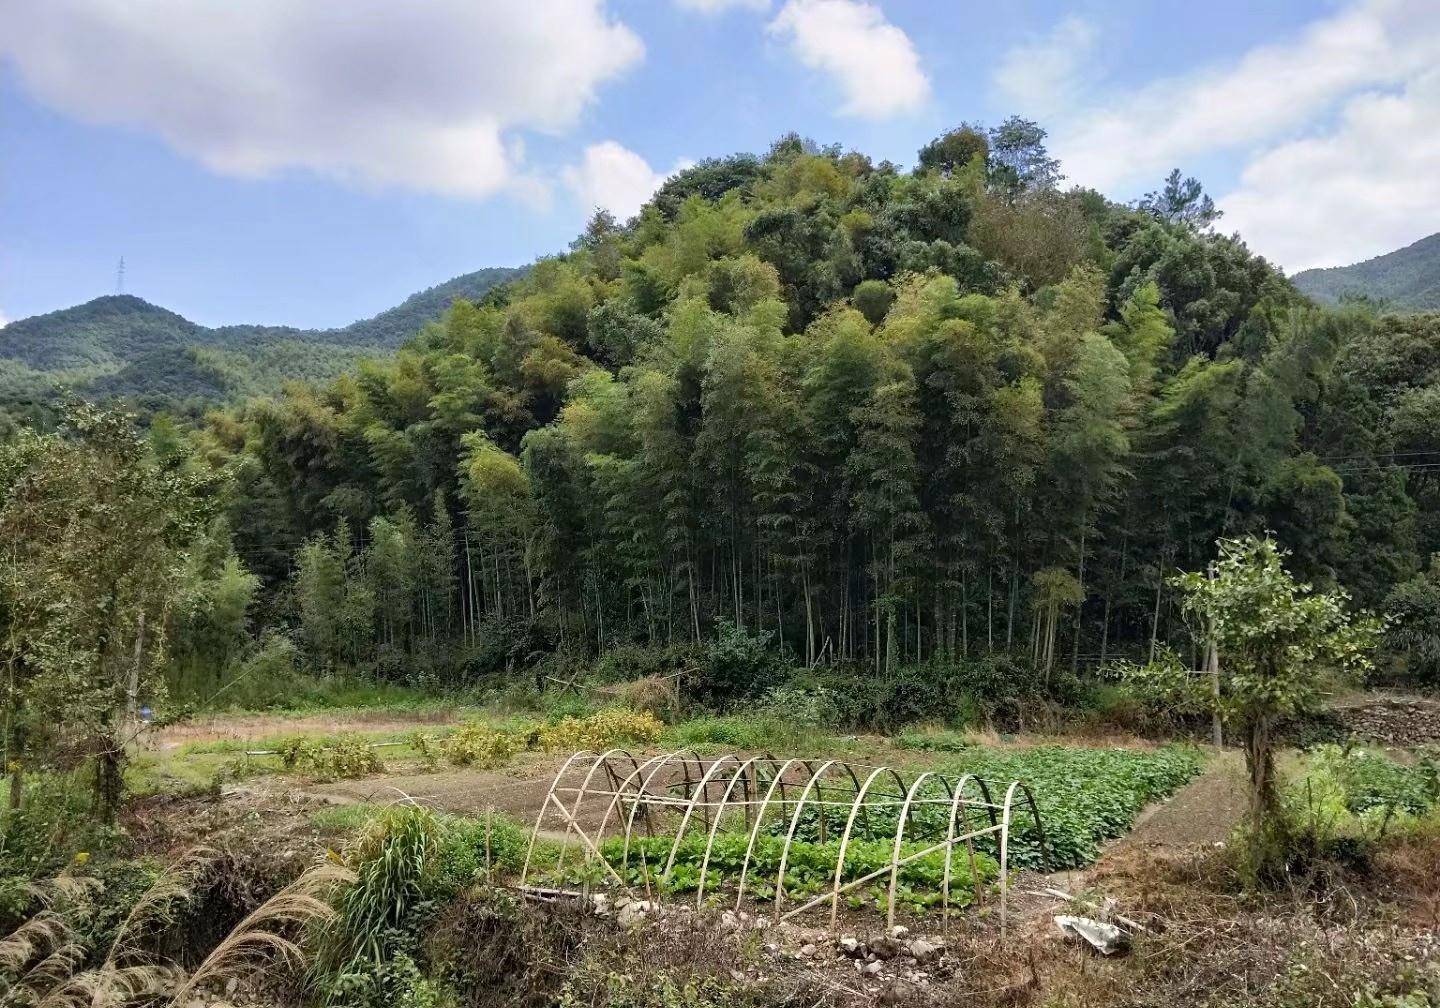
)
(875, 416)
(123, 346)
(1407, 279)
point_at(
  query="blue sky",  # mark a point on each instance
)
(313, 163)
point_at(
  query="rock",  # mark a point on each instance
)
(851, 947)
(922, 949)
(601, 904)
(807, 950)
(897, 993)
(634, 914)
(772, 948)
(885, 948)
(729, 922)
(899, 932)
(872, 968)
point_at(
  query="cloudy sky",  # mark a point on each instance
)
(314, 162)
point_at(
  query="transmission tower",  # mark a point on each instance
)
(120, 277)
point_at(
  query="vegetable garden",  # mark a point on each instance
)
(817, 835)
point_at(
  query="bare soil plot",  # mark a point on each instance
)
(516, 790)
(240, 727)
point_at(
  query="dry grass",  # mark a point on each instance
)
(1325, 942)
(266, 934)
(43, 962)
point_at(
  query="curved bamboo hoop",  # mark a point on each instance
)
(545, 807)
(755, 829)
(815, 777)
(700, 790)
(900, 823)
(1005, 855)
(644, 788)
(739, 777)
(957, 808)
(619, 794)
(714, 791)
(845, 842)
(571, 820)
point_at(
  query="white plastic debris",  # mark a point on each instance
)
(1106, 939)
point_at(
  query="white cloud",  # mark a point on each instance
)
(373, 92)
(1043, 75)
(1268, 92)
(615, 178)
(872, 61)
(715, 6)
(1369, 185)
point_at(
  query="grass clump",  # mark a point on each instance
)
(749, 732)
(944, 740)
(342, 820)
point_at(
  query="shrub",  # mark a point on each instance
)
(738, 664)
(934, 741)
(53, 821)
(982, 689)
(1350, 798)
(626, 662)
(1165, 687)
(800, 706)
(397, 861)
(603, 730)
(477, 744)
(427, 746)
(467, 840)
(1371, 780)
(334, 757)
(654, 694)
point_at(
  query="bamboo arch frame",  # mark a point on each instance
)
(600, 795)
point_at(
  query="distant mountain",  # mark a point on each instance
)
(1407, 279)
(123, 346)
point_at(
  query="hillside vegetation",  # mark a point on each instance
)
(811, 452)
(121, 346)
(875, 418)
(1407, 279)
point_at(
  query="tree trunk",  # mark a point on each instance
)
(109, 778)
(1266, 823)
(1212, 665)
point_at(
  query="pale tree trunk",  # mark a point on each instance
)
(1212, 666)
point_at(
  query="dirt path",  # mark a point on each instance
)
(1203, 812)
